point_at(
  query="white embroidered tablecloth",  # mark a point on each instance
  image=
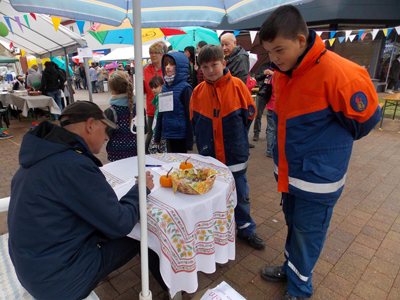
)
(190, 233)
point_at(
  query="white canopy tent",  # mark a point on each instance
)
(41, 39)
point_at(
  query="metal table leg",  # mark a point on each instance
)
(383, 114)
(50, 118)
(395, 108)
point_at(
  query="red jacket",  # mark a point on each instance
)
(149, 72)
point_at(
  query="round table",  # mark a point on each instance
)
(190, 233)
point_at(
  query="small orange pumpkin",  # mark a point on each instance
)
(165, 180)
(185, 165)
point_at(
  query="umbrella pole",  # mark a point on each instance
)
(88, 83)
(71, 95)
(145, 294)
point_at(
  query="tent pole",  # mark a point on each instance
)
(71, 95)
(145, 294)
(88, 83)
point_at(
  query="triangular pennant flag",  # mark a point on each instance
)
(18, 22)
(8, 23)
(319, 33)
(80, 25)
(385, 32)
(236, 32)
(341, 39)
(374, 33)
(22, 52)
(348, 32)
(351, 37)
(398, 30)
(27, 22)
(124, 64)
(56, 22)
(333, 33)
(219, 32)
(33, 16)
(360, 33)
(331, 41)
(389, 30)
(324, 41)
(11, 45)
(253, 36)
(363, 35)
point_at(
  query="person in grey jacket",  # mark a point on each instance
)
(237, 59)
(33, 76)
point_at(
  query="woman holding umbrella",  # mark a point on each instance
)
(156, 51)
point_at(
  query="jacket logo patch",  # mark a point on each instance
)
(251, 110)
(359, 101)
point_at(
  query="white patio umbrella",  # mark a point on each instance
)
(155, 13)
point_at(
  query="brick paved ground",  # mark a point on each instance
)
(361, 256)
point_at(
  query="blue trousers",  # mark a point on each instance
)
(56, 95)
(307, 224)
(244, 222)
(115, 254)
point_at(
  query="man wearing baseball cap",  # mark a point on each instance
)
(67, 229)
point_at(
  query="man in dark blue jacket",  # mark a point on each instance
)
(67, 229)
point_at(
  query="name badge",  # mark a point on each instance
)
(166, 102)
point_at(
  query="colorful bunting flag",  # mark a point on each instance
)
(253, 36)
(22, 52)
(27, 22)
(333, 34)
(331, 41)
(219, 32)
(33, 16)
(351, 37)
(236, 32)
(374, 33)
(8, 23)
(18, 22)
(360, 33)
(11, 45)
(80, 25)
(124, 64)
(348, 32)
(363, 35)
(398, 30)
(341, 39)
(387, 32)
(56, 22)
(319, 33)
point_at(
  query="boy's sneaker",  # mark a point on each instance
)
(287, 296)
(5, 136)
(253, 240)
(274, 274)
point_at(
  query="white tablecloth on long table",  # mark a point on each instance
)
(190, 233)
(26, 102)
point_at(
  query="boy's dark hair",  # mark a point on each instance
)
(286, 21)
(169, 60)
(210, 53)
(201, 44)
(155, 82)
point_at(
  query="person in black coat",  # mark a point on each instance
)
(394, 73)
(52, 83)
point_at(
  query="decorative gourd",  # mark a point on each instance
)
(165, 180)
(185, 165)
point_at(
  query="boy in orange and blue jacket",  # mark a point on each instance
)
(221, 110)
(323, 103)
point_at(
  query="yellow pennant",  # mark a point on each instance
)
(331, 41)
(23, 52)
(56, 22)
(385, 31)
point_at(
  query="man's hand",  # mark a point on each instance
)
(149, 180)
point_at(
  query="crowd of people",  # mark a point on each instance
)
(67, 228)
